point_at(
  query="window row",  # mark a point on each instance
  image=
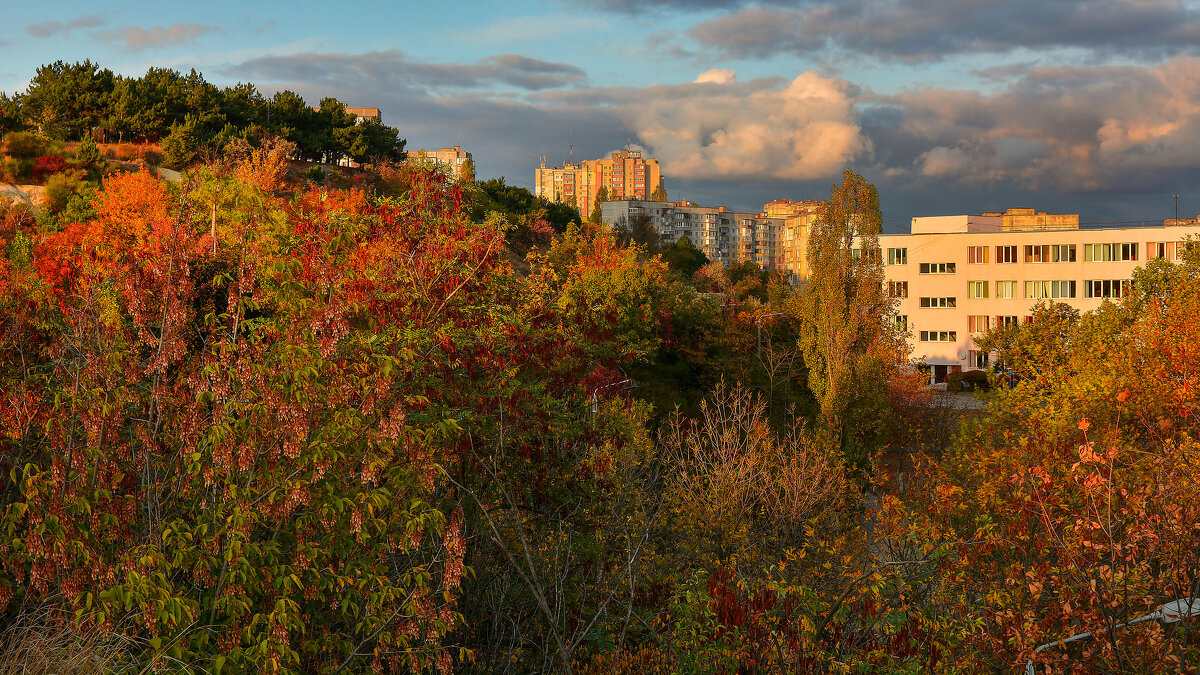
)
(939, 336)
(1034, 290)
(1047, 253)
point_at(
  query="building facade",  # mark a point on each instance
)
(453, 158)
(625, 174)
(725, 236)
(955, 277)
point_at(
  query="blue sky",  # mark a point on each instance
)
(949, 106)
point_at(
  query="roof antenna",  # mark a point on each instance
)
(571, 138)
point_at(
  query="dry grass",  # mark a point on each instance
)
(46, 642)
(127, 152)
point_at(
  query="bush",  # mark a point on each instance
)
(977, 379)
(88, 154)
(315, 174)
(181, 147)
(25, 145)
(61, 188)
(47, 166)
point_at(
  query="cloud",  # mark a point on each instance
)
(716, 127)
(927, 30)
(376, 71)
(1068, 138)
(47, 29)
(1068, 129)
(138, 39)
(717, 76)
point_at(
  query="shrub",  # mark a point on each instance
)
(315, 174)
(181, 147)
(61, 188)
(47, 166)
(88, 154)
(24, 145)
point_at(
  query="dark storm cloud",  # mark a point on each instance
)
(392, 69)
(925, 30)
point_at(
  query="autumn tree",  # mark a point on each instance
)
(660, 192)
(596, 217)
(847, 344)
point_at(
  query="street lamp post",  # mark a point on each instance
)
(758, 323)
(1171, 612)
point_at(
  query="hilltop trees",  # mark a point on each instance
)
(68, 101)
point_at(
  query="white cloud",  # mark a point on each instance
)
(716, 76)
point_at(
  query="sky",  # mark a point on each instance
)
(947, 106)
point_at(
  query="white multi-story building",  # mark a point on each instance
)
(724, 235)
(956, 276)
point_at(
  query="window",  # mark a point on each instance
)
(1037, 254)
(897, 289)
(977, 254)
(1168, 250)
(977, 359)
(937, 268)
(939, 336)
(1062, 253)
(1110, 252)
(1038, 290)
(1002, 321)
(939, 303)
(977, 289)
(978, 324)
(1006, 290)
(1107, 288)
(897, 256)
(1028, 319)
(1006, 254)
(902, 322)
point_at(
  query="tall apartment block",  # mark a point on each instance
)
(453, 158)
(626, 174)
(726, 236)
(956, 276)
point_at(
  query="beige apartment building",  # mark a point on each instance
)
(453, 158)
(725, 236)
(626, 175)
(957, 276)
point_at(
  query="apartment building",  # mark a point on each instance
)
(957, 276)
(726, 236)
(453, 158)
(626, 174)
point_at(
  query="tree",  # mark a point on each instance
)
(67, 100)
(597, 216)
(638, 229)
(87, 154)
(372, 141)
(181, 146)
(660, 192)
(847, 343)
(466, 172)
(684, 258)
(10, 114)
